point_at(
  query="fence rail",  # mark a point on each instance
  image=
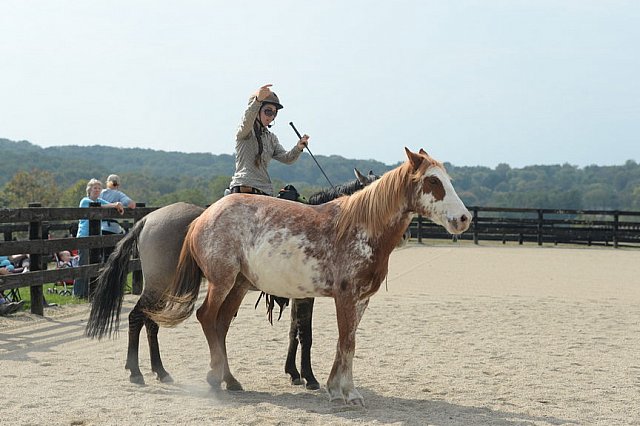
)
(589, 227)
(37, 223)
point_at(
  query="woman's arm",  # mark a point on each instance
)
(117, 205)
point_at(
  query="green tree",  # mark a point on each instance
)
(28, 187)
(72, 195)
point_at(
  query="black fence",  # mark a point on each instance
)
(30, 231)
(588, 227)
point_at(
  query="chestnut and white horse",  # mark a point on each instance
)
(159, 237)
(339, 249)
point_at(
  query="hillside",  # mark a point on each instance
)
(160, 177)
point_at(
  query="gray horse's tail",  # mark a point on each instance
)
(179, 300)
(106, 305)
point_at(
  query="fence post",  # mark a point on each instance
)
(540, 221)
(136, 277)
(616, 219)
(474, 223)
(95, 254)
(419, 229)
(35, 264)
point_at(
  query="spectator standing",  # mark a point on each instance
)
(113, 194)
(94, 188)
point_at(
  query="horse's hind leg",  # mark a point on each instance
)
(226, 314)
(208, 315)
(305, 316)
(136, 322)
(154, 351)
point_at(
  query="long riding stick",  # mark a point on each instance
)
(314, 158)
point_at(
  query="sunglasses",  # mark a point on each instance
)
(270, 112)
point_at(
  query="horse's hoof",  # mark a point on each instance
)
(297, 381)
(165, 378)
(354, 398)
(214, 382)
(312, 385)
(137, 379)
(234, 386)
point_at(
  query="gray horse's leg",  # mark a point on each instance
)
(300, 331)
(154, 351)
(290, 364)
(305, 315)
(136, 322)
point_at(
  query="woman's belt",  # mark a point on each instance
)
(242, 189)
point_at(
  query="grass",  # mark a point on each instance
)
(52, 297)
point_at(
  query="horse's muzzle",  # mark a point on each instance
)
(459, 224)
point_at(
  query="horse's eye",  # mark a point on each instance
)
(433, 181)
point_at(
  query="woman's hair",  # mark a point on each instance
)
(91, 183)
(257, 129)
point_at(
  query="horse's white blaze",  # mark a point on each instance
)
(448, 211)
(281, 267)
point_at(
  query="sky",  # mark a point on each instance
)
(521, 82)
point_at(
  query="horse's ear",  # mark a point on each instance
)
(423, 152)
(371, 173)
(414, 159)
(359, 176)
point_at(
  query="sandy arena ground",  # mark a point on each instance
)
(462, 335)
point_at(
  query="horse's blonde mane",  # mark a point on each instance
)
(375, 205)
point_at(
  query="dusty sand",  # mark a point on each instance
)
(463, 335)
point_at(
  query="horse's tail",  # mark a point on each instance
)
(179, 300)
(106, 305)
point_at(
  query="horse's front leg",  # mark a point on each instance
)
(290, 363)
(340, 385)
(305, 333)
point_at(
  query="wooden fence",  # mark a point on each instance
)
(588, 227)
(37, 224)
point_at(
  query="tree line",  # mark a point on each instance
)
(56, 177)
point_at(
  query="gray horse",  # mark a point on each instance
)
(159, 237)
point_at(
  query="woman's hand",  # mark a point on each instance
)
(263, 92)
(119, 207)
(303, 142)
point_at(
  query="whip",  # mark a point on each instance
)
(314, 158)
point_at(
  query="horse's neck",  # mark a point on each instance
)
(392, 235)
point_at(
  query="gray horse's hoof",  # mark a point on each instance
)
(312, 386)
(137, 379)
(165, 378)
(297, 381)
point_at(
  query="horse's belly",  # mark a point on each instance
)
(285, 270)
